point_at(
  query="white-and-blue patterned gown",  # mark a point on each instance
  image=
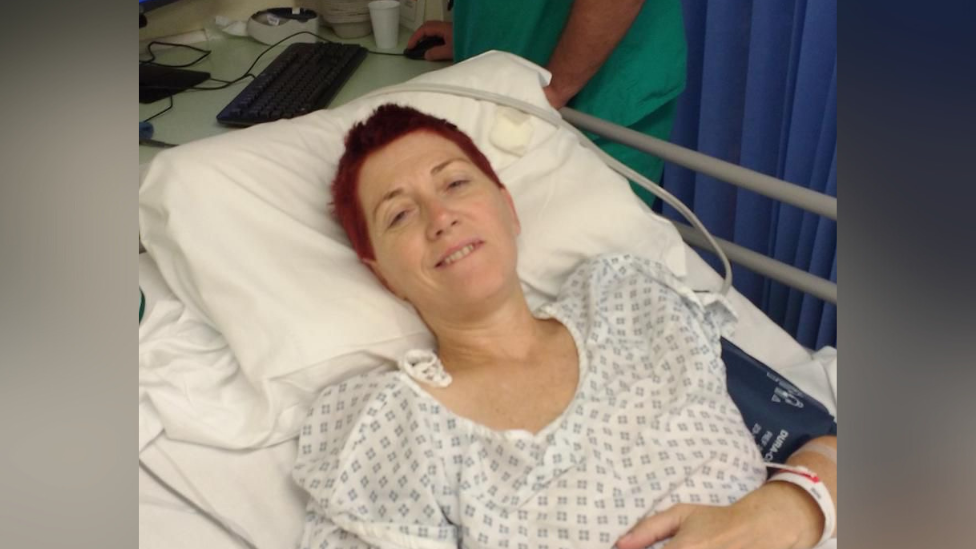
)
(651, 425)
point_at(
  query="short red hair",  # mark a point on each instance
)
(387, 124)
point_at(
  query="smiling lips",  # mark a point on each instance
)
(458, 254)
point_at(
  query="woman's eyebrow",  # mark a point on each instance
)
(399, 190)
(386, 197)
(444, 164)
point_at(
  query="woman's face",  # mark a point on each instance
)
(443, 233)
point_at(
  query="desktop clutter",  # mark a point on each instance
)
(346, 18)
(308, 73)
(357, 18)
(305, 76)
(270, 26)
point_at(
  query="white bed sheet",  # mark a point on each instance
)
(250, 494)
(167, 520)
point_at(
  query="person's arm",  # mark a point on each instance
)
(593, 30)
(777, 515)
(442, 29)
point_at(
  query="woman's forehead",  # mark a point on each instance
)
(412, 155)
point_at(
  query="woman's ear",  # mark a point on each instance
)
(375, 268)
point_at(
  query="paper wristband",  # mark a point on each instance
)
(818, 448)
(809, 481)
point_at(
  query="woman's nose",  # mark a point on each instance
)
(439, 219)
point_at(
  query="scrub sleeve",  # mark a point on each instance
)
(637, 87)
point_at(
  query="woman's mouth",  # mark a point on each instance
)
(459, 254)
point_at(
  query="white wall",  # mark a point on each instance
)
(192, 15)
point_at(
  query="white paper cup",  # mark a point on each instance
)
(385, 16)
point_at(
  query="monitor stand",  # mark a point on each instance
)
(156, 82)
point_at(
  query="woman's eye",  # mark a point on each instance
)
(398, 218)
(455, 184)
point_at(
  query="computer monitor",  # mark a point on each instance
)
(157, 82)
(149, 5)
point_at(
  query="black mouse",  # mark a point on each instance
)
(422, 45)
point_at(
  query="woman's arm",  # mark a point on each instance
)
(777, 515)
(322, 532)
(593, 30)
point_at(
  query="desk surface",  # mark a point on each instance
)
(193, 115)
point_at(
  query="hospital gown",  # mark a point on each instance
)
(651, 424)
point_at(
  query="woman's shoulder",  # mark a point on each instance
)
(607, 271)
(619, 289)
(344, 412)
(360, 436)
(352, 394)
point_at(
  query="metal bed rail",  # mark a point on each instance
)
(772, 187)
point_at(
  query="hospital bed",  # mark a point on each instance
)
(254, 300)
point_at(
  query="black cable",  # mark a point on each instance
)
(272, 46)
(289, 37)
(227, 83)
(156, 143)
(247, 73)
(170, 97)
(152, 55)
(322, 38)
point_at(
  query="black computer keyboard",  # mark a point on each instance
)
(303, 78)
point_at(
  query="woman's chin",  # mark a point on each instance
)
(475, 288)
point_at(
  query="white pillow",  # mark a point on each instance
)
(239, 227)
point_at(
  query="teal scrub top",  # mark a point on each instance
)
(645, 71)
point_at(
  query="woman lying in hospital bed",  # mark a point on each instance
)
(601, 418)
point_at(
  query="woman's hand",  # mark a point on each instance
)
(777, 515)
(442, 29)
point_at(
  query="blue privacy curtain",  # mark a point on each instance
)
(762, 93)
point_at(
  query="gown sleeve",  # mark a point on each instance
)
(367, 471)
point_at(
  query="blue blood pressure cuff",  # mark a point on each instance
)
(780, 416)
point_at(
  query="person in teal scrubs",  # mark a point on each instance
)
(622, 61)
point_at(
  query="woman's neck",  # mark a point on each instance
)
(509, 333)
